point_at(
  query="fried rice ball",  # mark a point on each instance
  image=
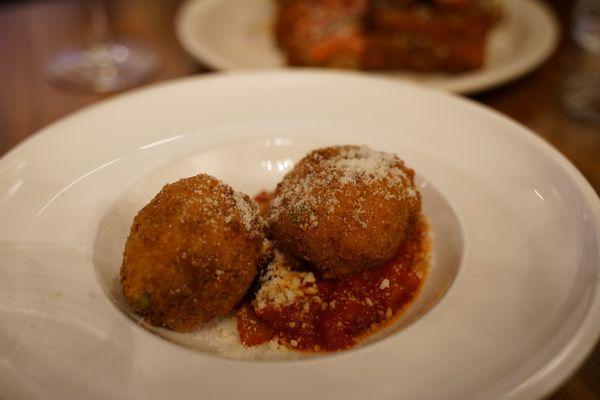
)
(344, 208)
(192, 253)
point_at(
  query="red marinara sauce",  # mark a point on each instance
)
(335, 315)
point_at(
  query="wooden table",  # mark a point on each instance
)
(30, 32)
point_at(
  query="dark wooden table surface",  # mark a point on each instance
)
(30, 32)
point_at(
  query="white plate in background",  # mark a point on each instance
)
(237, 34)
(521, 315)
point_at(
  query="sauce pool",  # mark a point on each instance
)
(341, 312)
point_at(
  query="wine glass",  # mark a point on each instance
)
(103, 64)
(581, 91)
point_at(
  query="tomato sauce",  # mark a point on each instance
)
(342, 312)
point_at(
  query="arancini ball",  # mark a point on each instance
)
(344, 208)
(192, 253)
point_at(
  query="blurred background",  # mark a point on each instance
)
(549, 100)
(32, 32)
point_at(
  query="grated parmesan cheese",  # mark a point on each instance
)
(281, 286)
(248, 214)
(324, 180)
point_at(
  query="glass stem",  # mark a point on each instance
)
(99, 19)
(99, 50)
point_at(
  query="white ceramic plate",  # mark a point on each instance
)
(236, 34)
(516, 237)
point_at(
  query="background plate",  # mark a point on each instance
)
(236, 34)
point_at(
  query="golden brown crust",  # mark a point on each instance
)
(344, 208)
(192, 253)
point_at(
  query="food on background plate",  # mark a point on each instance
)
(321, 32)
(192, 253)
(418, 35)
(351, 253)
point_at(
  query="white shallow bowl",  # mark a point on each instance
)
(516, 237)
(237, 34)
